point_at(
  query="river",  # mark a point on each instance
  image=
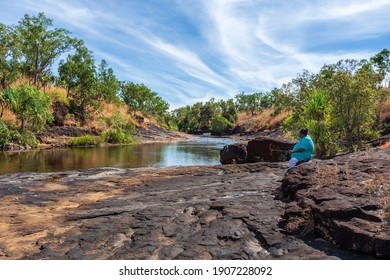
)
(196, 151)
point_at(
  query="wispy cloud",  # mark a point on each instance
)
(190, 51)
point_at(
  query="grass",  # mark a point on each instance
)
(263, 120)
(327, 175)
(303, 224)
(85, 140)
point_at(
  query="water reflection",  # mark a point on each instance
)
(198, 151)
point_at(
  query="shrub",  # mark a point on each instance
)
(31, 106)
(28, 138)
(5, 134)
(85, 140)
(58, 95)
(220, 125)
(116, 136)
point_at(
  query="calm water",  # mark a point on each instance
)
(197, 151)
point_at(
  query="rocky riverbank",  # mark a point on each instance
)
(221, 212)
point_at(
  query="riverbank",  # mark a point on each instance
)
(201, 212)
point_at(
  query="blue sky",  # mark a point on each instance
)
(193, 50)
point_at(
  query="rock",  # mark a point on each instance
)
(70, 131)
(197, 132)
(13, 147)
(345, 199)
(238, 129)
(60, 110)
(234, 153)
(269, 149)
(195, 212)
(380, 141)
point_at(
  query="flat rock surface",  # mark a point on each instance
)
(221, 212)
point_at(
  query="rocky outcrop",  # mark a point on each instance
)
(346, 200)
(221, 212)
(269, 149)
(234, 153)
(60, 110)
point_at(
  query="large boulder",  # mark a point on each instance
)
(345, 199)
(234, 153)
(269, 149)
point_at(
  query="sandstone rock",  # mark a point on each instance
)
(154, 213)
(234, 153)
(60, 110)
(344, 199)
(269, 149)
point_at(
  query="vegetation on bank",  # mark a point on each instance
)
(32, 96)
(342, 104)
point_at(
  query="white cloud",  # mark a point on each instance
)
(218, 48)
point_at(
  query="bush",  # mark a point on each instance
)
(31, 106)
(85, 140)
(116, 136)
(58, 95)
(28, 138)
(220, 125)
(5, 134)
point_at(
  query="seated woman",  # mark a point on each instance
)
(302, 150)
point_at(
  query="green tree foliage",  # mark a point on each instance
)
(40, 46)
(340, 105)
(354, 97)
(249, 103)
(381, 61)
(78, 75)
(107, 83)
(228, 110)
(31, 106)
(220, 125)
(211, 116)
(139, 97)
(5, 135)
(9, 56)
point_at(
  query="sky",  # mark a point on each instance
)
(193, 50)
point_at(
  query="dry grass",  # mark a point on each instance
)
(262, 120)
(385, 110)
(8, 116)
(386, 145)
(109, 110)
(302, 225)
(327, 175)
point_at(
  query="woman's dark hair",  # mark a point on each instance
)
(304, 131)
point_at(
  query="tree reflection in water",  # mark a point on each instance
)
(198, 151)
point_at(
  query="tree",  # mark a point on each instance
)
(207, 113)
(78, 75)
(249, 103)
(31, 106)
(107, 83)
(9, 56)
(382, 62)
(41, 46)
(139, 97)
(228, 110)
(341, 109)
(220, 125)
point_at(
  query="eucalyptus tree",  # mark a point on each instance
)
(107, 83)
(78, 75)
(41, 45)
(9, 56)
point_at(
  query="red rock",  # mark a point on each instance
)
(269, 149)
